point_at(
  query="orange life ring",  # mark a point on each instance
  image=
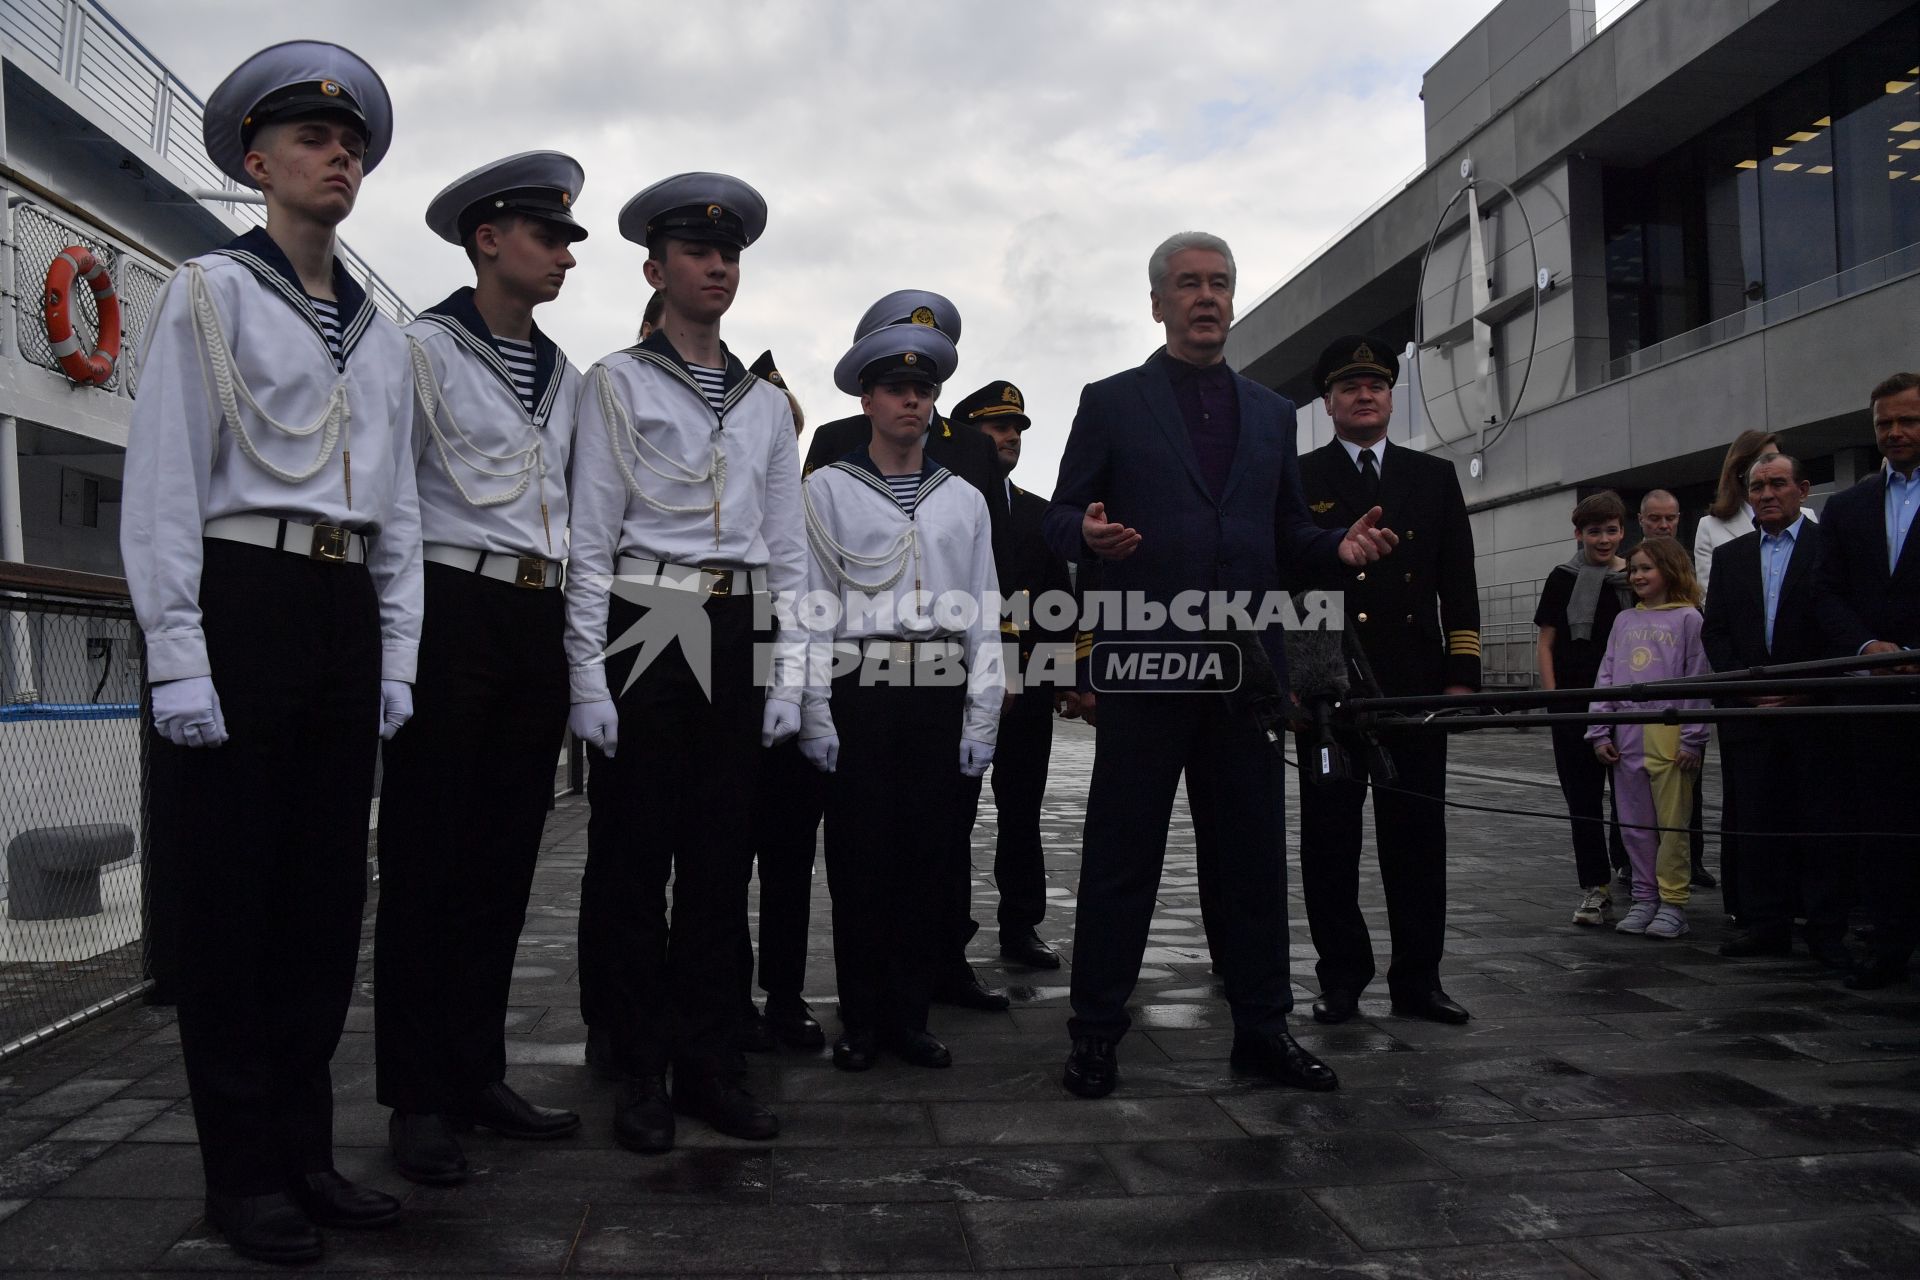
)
(88, 368)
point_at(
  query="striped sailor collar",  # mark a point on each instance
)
(735, 381)
(458, 316)
(258, 253)
(859, 464)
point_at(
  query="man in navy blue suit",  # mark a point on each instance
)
(1181, 477)
(1870, 602)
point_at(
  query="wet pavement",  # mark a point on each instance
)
(1618, 1106)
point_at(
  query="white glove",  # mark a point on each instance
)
(187, 712)
(597, 724)
(780, 721)
(822, 753)
(975, 757)
(396, 707)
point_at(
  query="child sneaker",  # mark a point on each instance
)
(1639, 918)
(1596, 908)
(1668, 922)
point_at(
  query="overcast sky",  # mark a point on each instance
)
(1023, 158)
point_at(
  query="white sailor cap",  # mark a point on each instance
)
(708, 207)
(292, 81)
(540, 184)
(911, 306)
(897, 352)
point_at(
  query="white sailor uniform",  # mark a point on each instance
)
(467, 787)
(911, 683)
(271, 538)
(695, 508)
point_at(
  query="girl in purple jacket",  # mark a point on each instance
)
(1655, 766)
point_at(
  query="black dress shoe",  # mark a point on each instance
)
(1704, 879)
(1335, 1006)
(919, 1049)
(1093, 1068)
(1024, 947)
(499, 1108)
(267, 1228)
(968, 993)
(723, 1103)
(642, 1115)
(793, 1025)
(424, 1150)
(1875, 973)
(1434, 1006)
(329, 1200)
(1758, 942)
(1280, 1058)
(753, 1035)
(855, 1050)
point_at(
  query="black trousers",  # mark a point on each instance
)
(464, 799)
(1410, 834)
(786, 827)
(1886, 776)
(1733, 864)
(898, 778)
(1583, 782)
(263, 842)
(673, 802)
(1236, 788)
(1783, 774)
(1019, 778)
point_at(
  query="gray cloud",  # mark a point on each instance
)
(1022, 157)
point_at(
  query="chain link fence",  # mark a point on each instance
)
(72, 783)
(39, 234)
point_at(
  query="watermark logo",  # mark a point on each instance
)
(1176, 666)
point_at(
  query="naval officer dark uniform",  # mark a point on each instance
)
(1028, 568)
(1417, 616)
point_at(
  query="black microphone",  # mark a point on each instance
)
(1317, 673)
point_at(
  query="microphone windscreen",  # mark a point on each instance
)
(1316, 664)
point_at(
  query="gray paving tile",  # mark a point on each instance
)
(1321, 1159)
(805, 1239)
(70, 1099)
(93, 1235)
(1803, 1131)
(1631, 1094)
(1277, 1112)
(831, 1124)
(1236, 1224)
(1612, 1143)
(1116, 1118)
(1815, 1250)
(1469, 1262)
(137, 1170)
(31, 1170)
(1786, 1187)
(1525, 1206)
(942, 1173)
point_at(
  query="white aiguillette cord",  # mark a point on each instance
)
(620, 424)
(519, 465)
(231, 391)
(830, 553)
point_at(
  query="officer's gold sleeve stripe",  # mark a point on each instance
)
(1083, 645)
(1463, 632)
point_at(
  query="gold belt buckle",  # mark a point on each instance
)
(531, 571)
(329, 543)
(722, 579)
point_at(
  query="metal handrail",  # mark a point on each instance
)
(166, 111)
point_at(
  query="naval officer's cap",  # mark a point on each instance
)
(295, 81)
(1356, 356)
(999, 400)
(897, 353)
(711, 208)
(539, 184)
(911, 306)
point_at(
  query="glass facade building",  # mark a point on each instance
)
(1817, 177)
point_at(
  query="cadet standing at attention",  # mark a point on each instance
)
(686, 513)
(915, 691)
(467, 786)
(272, 543)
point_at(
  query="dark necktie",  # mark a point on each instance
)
(1369, 478)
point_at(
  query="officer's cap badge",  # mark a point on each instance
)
(329, 88)
(910, 358)
(714, 211)
(1012, 396)
(922, 315)
(1363, 354)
